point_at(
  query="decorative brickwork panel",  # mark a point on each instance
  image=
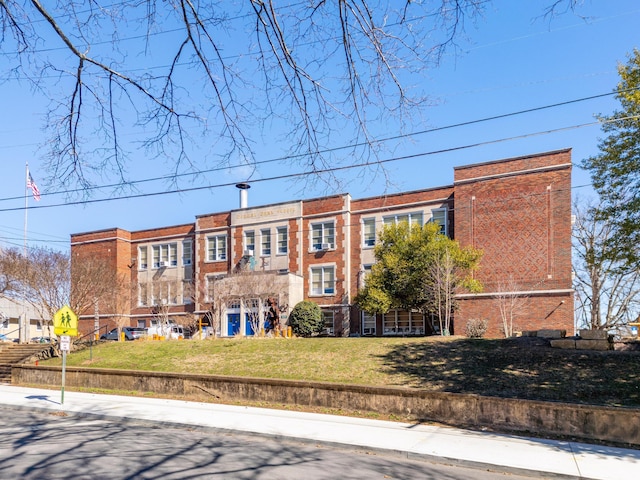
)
(520, 250)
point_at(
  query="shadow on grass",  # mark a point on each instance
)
(526, 368)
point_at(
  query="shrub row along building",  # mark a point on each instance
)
(517, 211)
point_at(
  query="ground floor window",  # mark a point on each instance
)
(368, 324)
(142, 323)
(329, 328)
(401, 322)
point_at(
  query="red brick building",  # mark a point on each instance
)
(518, 211)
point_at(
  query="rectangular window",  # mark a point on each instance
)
(187, 292)
(163, 255)
(156, 256)
(187, 252)
(142, 258)
(439, 216)
(323, 236)
(368, 324)
(265, 242)
(143, 295)
(250, 242)
(142, 323)
(369, 232)
(283, 241)
(38, 326)
(323, 280)
(327, 316)
(415, 218)
(211, 281)
(217, 248)
(173, 254)
(398, 322)
(172, 293)
(4, 324)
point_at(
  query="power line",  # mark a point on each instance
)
(322, 171)
(335, 149)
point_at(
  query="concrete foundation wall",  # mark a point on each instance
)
(619, 425)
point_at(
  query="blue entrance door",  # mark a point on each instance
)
(233, 324)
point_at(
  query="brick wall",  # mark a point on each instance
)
(518, 212)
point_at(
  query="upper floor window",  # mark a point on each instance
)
(415, 218)
(439, 216)
(143, 295)
(265, 242)
(323, 236)
(173, 254)
(283, 242)
(187, 252)
(323, 280)
(162, 255)
(249, 242)
(143, 260)
(369, 232)
(216, 248)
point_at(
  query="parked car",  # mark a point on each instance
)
(130, 333)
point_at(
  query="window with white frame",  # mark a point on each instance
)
(402, 322)
(250, 241)
(368, 323)
(414, 218)
(38, 326)
(143, 295)
(328, 317)
(173, 254)
(164, 255)
(265, 242)
(323, 236)
(143, 260)
(4, 322)
(283, 240)
(210, 290)
(369, 232)
(217, 248)
(187, 252)
(155, 256)
(187, 292)
(439, 216)
(323, 281)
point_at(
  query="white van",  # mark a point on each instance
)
(169, 332)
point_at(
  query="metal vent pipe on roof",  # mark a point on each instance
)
(244, 195)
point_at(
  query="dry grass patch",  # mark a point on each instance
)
(516, 368)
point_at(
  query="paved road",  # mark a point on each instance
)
(40, 445)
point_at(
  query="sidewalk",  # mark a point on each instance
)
(510, 454)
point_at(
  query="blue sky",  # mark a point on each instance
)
(510, 60)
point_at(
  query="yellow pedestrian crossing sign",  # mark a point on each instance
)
(65, 322)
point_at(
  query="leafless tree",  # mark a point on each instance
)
(317, 67)
(511, 303)
(607, 289)
(256, 292)
(442, 284)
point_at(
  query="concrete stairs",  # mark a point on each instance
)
(13, 353)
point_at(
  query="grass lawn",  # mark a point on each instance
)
(516, 368)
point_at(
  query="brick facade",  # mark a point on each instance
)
(518, 211)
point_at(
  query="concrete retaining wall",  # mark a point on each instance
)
(619, 425)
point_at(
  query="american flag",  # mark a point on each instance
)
(34, 188)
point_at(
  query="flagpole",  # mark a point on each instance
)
(26, 206)
(22, 331)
